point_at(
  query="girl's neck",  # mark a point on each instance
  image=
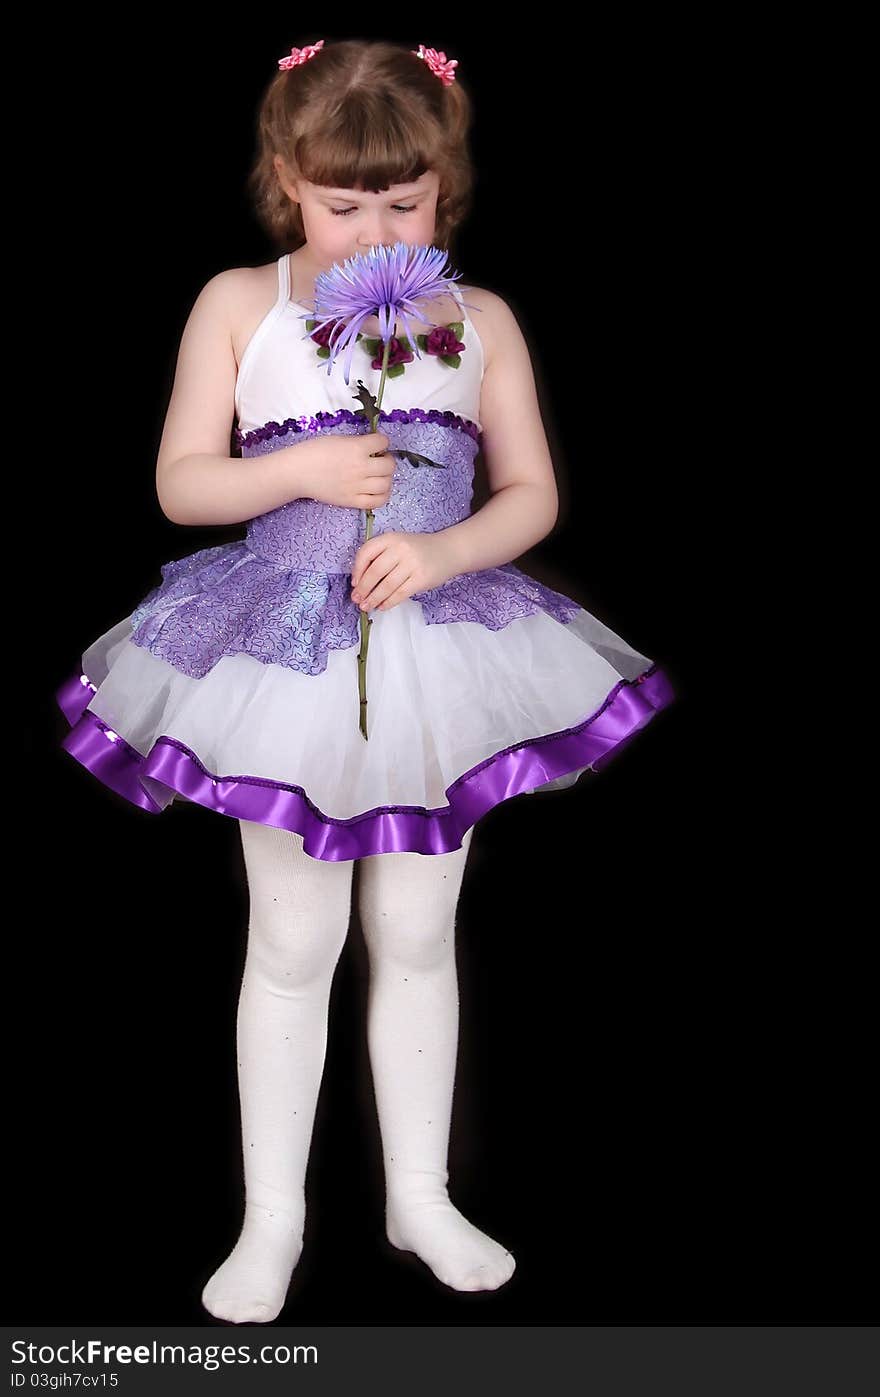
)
(302, 279)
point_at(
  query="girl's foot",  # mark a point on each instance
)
(251, 1284)
(459, 1254)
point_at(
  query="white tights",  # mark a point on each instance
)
(299, 915)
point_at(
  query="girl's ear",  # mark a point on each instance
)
(285, 179)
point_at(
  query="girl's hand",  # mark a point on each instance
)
(355, 472)
(390, 567)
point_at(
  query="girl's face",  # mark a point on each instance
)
(339, 223)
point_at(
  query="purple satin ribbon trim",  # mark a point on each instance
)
(98, 748)
(388, 829)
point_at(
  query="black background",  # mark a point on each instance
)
(658, 1107)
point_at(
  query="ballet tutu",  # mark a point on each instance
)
(234, 685)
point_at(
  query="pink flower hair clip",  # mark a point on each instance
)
(438, 64)
(298, 56)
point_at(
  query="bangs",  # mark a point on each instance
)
(367, 149)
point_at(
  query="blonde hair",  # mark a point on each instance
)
(361, 115)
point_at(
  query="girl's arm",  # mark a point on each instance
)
(204, 488)
(524, 504)
(197, 481)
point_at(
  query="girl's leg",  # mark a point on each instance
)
(407, 906)
(299, 914)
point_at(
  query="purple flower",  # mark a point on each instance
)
(385, 282)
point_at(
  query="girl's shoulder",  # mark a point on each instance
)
(251, 293)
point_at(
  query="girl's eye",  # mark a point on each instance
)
(340, 213)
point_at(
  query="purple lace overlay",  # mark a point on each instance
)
(283, 595)
(171, 768)
(225, 601)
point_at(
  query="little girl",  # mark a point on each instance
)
(234, 683)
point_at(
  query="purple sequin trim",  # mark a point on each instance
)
(173, 768)
(321, 420)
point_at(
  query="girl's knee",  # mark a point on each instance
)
(295, 948)
(411, 919)
(300, 907)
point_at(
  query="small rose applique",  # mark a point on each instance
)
(445, 342)
(400, 353)
(322, 336)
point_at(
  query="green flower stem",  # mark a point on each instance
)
(366, 623)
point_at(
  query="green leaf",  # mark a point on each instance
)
(366, 398)
(416, 459)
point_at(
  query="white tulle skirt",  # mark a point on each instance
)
(444, 701)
